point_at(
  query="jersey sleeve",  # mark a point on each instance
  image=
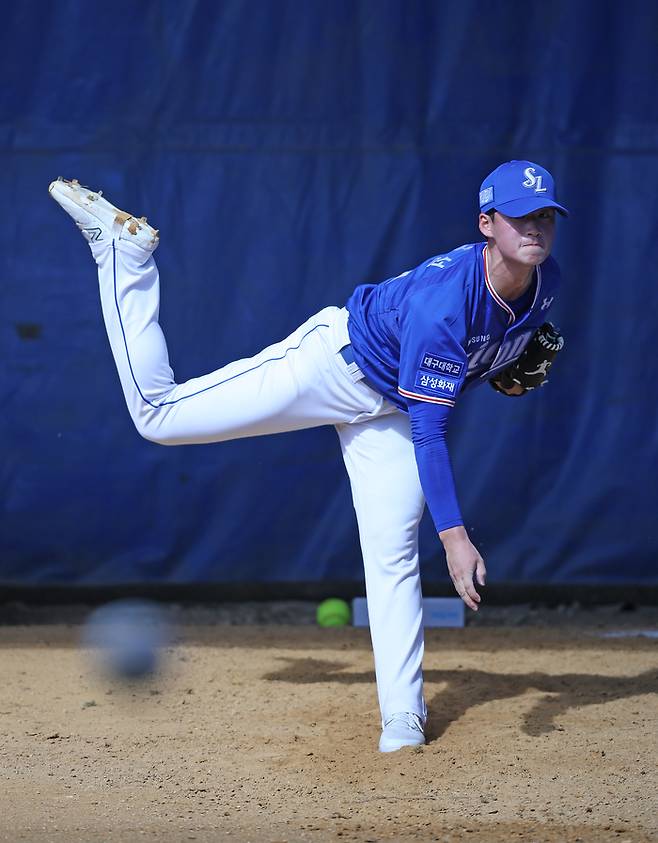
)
(428, 431)
(433, 367)
(433, 362)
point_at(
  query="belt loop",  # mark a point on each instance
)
(347, 353)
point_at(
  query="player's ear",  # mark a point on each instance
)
(485, 224)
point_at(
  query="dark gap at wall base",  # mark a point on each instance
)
(499, 594)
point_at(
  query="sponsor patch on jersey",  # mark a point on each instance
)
(437, 384)
(442, 365)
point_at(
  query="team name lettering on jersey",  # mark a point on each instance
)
(434, 363)
(510, 350)
(482, 357)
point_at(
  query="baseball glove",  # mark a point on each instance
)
(531, 369)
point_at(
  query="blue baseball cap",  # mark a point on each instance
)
(517, 188)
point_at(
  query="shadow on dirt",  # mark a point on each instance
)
(464, 689)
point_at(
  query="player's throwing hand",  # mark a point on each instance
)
(464, 564)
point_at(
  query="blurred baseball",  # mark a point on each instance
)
(333, 612)
(126, 638)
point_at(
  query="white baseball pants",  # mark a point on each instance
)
(300, 382)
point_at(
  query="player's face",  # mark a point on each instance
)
(527, 240)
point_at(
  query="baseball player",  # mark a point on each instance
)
(385, 370)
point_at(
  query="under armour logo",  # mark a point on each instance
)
(546, 303)
(531, 180)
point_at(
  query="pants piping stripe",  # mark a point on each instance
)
(206, 388)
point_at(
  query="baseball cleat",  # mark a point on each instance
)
(97, 219)
(402, 729)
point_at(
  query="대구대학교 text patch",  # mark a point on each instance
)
(442, 365)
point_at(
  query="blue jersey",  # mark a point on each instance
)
(425, 336)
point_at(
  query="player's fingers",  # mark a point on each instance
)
(469, 587)
(481, 573)
(468, 595)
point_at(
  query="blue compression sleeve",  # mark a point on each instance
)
(429, 423)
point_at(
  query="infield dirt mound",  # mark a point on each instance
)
(269, 733)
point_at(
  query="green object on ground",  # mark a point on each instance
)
(333, 612)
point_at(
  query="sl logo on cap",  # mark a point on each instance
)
(531, 180)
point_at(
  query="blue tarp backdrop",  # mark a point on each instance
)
(288, 150)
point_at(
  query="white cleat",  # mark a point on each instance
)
(98, 220)
(402, 729)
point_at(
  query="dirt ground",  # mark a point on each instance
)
(540, 729)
